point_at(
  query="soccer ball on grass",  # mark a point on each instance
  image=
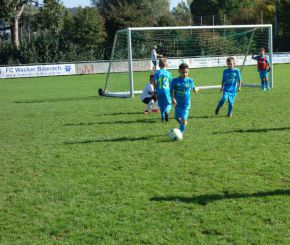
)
(175, 134)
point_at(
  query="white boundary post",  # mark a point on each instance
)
(270, 45)
(130, 63)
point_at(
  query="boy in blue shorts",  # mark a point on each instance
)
(263, 68)
(163, 79)
(180, 94)
(231, 83)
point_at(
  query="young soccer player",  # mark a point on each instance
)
(148, 96)
(154, 56)
(231, 83)
(263, 68)
(162, 80)
(180, 94)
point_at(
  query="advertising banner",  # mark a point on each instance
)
(37, 71)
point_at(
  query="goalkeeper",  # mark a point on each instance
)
(263, 68)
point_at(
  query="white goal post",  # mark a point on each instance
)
(203, 48)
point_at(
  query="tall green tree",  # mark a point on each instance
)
(119, 14)
(182, 13)
(10, 11)
(51, 15)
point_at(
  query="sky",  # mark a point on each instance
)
(76, 3)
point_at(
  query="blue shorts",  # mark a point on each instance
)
(263, 74)
(164, 102)
(181, 112)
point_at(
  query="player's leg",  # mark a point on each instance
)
(154, 65)
(168, 106)
(155, 106)
(146, 101)
(221, 102)
(184, 116)
(162, 106)
(231, 99)
(262, 77)
(266, 81)
(181, 115)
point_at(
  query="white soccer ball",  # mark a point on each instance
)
(175, 134)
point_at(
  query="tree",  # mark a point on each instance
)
(11, 11)
(86, 30)
(51, 16)
(119, 14)
(182, 13)
(204, 7)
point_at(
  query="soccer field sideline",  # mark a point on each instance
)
(79, 168)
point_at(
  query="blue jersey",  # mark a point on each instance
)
(231, 78)
(181, 88)
(163, 78)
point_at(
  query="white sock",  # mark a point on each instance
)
(155, 105)
(151, 102)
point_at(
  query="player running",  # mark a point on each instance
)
(231, 83)
(180, 93)
(163, 78)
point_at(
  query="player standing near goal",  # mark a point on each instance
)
(148, 96)
(231, 83)
(154, 57)
(162, 79)
(180, 93)
(263, 68)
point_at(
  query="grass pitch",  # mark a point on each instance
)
(76, 168)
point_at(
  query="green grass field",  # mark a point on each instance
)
(76, 168)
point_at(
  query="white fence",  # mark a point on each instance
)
(122, 66)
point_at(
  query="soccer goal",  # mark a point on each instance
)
(203, 48)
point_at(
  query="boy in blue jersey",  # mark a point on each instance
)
(163, 79)
(231, 83)
(263, 68)
(180, 93)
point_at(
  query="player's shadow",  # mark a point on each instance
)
(258, 130)
(151, 120)
(52, 100)
(205, 199)
(202, 117)
(123, 113)
(120, 139)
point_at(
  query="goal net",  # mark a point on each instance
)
(203, 48)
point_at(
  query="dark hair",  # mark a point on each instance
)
(230, 59)
(151, 75)
(162, 62)
(183, 66)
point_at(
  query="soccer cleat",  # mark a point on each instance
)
(155, 110)
(146, 112)
(217, 110)
(229, 115)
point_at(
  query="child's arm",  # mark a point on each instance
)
(239, 86)
(254, 57)
(222, 86)
(172, 97)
